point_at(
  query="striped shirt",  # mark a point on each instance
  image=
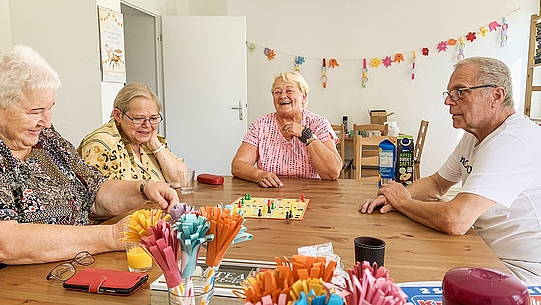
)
(282, 157)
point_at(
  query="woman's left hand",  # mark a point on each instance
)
(293, 129)
(153, 143)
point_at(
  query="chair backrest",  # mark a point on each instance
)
(367, 127)
(418, 149)
(339, 129)
(364, 166)
(365, 160)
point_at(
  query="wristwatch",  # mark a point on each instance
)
(306, 134)
(312, 139)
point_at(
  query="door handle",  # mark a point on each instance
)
(241, 110)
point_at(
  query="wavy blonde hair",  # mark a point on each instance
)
(292, 77)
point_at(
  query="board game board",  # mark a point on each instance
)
(271, 208)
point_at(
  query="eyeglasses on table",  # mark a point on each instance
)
(65, 271)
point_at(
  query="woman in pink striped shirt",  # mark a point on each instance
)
(291, 142)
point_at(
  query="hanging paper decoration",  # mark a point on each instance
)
(442, 46)
(413, 60)
(365, 69)
(483, 31)
(298, 61)
(324, 77)
(461, 50)
(398, 57)
(333, 63)
(269, 53)
(504, 33)
(471, 36)
(493, 25)
(375, 62)
(251, 47)
(387, 61)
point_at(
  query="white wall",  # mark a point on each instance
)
(376, 28)
(65, 34)
(5, 27)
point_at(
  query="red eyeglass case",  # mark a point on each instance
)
(105, 281)
(210, 179)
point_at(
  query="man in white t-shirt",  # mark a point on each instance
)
(498, 161)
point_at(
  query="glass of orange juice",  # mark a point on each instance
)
(138, 259)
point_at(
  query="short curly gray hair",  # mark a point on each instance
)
(492, 71)
(23, 71)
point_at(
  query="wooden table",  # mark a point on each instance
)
(413, 253)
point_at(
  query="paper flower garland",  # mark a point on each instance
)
(413, 60)
(324, 78)
(269, 53)
(387, 61)
(333, 63)
(365, 70)
(461, 50)
(471, 36)
(503, 39)
(252, 47)
(442, 46)
(483, 31)
(398, 57)
(493, 26)
(375, 62)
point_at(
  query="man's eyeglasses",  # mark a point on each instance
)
(456, 94)
(65, 271)
(155, 120)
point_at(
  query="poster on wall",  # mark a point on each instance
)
(113, 63)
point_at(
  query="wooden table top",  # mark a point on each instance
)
(413, 252)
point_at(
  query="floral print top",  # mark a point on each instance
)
(52, 186)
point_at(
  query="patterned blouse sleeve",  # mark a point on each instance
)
(106, 159)
(323, 130)
(7, 211)
(93, 178)
(252, 136)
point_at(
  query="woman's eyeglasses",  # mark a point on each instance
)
(65, 271)
(155, 120)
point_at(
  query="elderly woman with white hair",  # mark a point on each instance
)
(291, 142)
(46, 190)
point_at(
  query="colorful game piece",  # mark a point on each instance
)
(303, 198)
(259, 213)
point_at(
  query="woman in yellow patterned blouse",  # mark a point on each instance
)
(128, 146)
